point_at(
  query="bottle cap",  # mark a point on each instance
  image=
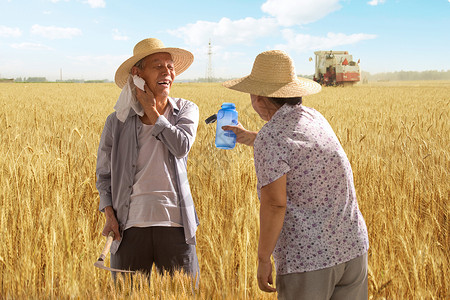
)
(228, 105)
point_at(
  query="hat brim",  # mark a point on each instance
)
(297, 88)
(182, 59)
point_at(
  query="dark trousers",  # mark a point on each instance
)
(163, 246)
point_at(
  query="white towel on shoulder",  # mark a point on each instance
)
(127, 99)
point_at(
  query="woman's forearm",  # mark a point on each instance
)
(271, 223)
(272, 212)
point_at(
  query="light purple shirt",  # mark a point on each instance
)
(118, 153)
(323, 226)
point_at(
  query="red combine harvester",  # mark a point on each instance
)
(336, 68)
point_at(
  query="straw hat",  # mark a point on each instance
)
(182, 59)
(273, 75)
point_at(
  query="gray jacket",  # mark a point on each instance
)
(118, 152)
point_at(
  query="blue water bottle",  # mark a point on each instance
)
(227, 115)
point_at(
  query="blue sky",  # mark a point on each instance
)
(89, 39)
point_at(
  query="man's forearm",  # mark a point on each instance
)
(180, 137)
(152, 115)
(109, 212)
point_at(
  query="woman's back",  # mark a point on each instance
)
(323, 225)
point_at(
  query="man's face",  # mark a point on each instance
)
(158, 73)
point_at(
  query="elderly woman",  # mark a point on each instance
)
(309, 217)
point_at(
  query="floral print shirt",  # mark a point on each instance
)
(323, 226)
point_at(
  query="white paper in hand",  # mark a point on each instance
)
(139, 82)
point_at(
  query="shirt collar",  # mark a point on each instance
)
(174, 105)
(282, 110)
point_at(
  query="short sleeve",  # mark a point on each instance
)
(271, 157)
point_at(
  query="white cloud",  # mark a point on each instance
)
(376, 2)
(30, 46)
(52, 32)
(226, 31)
(297, 12)
(9, 32)
(306, 42)
(118, 36)
(96, 3)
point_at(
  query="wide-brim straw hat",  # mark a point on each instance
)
(182, 59)
(273, 75)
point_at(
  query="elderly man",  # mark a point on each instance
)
(141, 165)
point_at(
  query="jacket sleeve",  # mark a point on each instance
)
(180, 136)
(103, 170)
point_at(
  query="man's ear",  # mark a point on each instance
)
(135, 70)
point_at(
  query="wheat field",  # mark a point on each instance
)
(396, 136)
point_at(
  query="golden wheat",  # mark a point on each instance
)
(396, 136)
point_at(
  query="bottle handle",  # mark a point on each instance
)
(211, 119)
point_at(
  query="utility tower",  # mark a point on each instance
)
(209, 71)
